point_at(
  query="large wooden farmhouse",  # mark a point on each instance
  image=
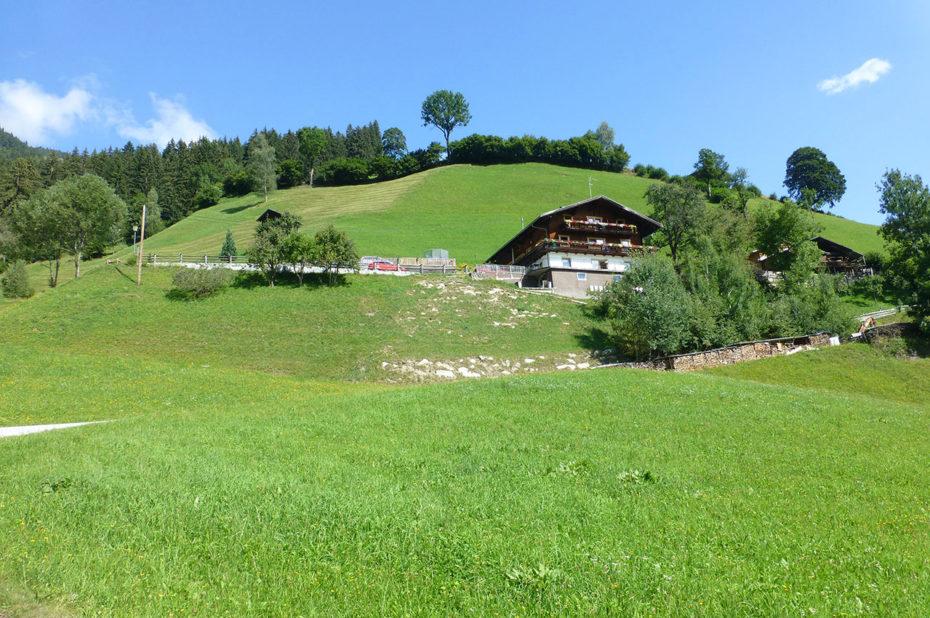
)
(578, 248)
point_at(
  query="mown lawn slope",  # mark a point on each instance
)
(468, 210)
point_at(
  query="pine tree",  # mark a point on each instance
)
(229, 246)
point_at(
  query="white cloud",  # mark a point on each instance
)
(31, 114)
(869, 72)
(172, 121)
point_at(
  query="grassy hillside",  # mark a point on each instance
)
(469, 210)
(321, 333)
(852, 369)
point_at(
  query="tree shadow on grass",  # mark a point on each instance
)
(248, 280)
(597, 337)
(234, 209)
(124, 274)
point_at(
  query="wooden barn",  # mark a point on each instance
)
(578, 248)
(839, 259)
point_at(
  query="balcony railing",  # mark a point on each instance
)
(575, 246)
(599, 226)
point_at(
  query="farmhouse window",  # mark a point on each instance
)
(582, 276)
(566, 262)
(596, 241)
(602, 264)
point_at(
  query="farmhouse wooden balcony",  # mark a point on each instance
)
(574, 246)
(599, 227)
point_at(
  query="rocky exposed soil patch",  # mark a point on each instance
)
(426, 370)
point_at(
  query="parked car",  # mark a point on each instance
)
(386, 266)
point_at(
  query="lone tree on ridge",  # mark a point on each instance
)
(445, 110)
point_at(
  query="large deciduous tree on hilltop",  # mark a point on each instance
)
(605, 136)
(812, 179)
(445, 110)
(711, 168)
(394, 143)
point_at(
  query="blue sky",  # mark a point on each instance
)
(671, 78)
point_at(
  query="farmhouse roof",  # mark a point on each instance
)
(269, 214)
(830, 246)
(646, 225)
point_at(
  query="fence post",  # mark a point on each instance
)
(204, 259)
(180, 258)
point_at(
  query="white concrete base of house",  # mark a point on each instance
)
(8, 432)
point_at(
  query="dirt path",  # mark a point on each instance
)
(8, 432)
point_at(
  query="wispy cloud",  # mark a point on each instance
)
(172, 121)
(32, 114)
(870, 71)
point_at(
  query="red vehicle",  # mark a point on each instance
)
(386, 266)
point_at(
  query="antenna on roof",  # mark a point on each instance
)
(590, 184)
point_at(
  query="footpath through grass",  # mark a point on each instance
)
(612, 491)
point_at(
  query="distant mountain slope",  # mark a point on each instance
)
(468, 210)
(12, 147)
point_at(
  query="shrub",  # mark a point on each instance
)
(659, 173)
(649, 309)
(15, 282)
(344, 172)
(290, 174)
(719, 195)
(207, 195)
(193, 283)
(238, 183)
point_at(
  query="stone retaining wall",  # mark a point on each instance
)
(737, 353)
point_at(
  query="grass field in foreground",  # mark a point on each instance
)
(517, 496)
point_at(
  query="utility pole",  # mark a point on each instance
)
(141, 245)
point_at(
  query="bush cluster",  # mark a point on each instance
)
(585, 151)
(716, 301)
(15, 282)
(194, 283)
(649, 171)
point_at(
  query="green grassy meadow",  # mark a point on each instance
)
(515, 496)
